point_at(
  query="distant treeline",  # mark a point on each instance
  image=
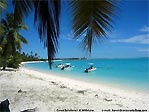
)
(70, 58)
(30, 57)
(14, 60)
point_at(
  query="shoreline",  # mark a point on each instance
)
(48, 92)
(74, 83)
(31, 62)
(90, 83)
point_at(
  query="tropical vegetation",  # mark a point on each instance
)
(3, 5)
(91, 18)
(10, 40)
(30, 57)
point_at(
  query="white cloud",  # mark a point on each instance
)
(70, 37)
(140, 39)
(145, 29)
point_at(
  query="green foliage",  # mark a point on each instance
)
(1, 49)
(15, 60)
(3, 5)
(4, 61)
(31, 57)
(10, 42)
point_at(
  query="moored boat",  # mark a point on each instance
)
(66, 67)
(60, 65)
(90, 69)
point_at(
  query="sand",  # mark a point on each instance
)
(49, 93)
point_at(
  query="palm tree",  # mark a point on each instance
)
(10, 38)
(35, 55)
(46, 20)
(91, 18)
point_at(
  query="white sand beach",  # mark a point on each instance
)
(49, 93)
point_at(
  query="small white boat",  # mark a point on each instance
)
(60, 65)
(90, 69)
(66, 67)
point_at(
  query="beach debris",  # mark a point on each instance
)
(20, 91)
(81, 91)
(30, 110)
(96, 95)
(62, 98)
(63, 86)
(4, 106)
(120, 105)
(54, 83)
(106, 99)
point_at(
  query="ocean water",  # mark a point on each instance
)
(122, 73)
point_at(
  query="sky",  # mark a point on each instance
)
(129, 37)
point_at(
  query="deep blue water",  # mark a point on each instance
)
(124, 73)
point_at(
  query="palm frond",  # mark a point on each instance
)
(22, 39)
(21, 9)
(92, 18)
(1, 30)
(10, 36)
(3, 5)
(47, 22)
(4, 23)
(1, 49)
(23, 26)
(18, 44)
(18, 40)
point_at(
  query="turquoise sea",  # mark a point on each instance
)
(130, 74)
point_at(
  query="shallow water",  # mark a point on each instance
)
(124, 73)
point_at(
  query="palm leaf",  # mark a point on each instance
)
(16, 41)
(47, 22)
(3, 5)
(1, 30)
(4, 24)
(92, 18)
(46, 19)
(21, 9)
(22, 26)
(1, 49)
(22, 39)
